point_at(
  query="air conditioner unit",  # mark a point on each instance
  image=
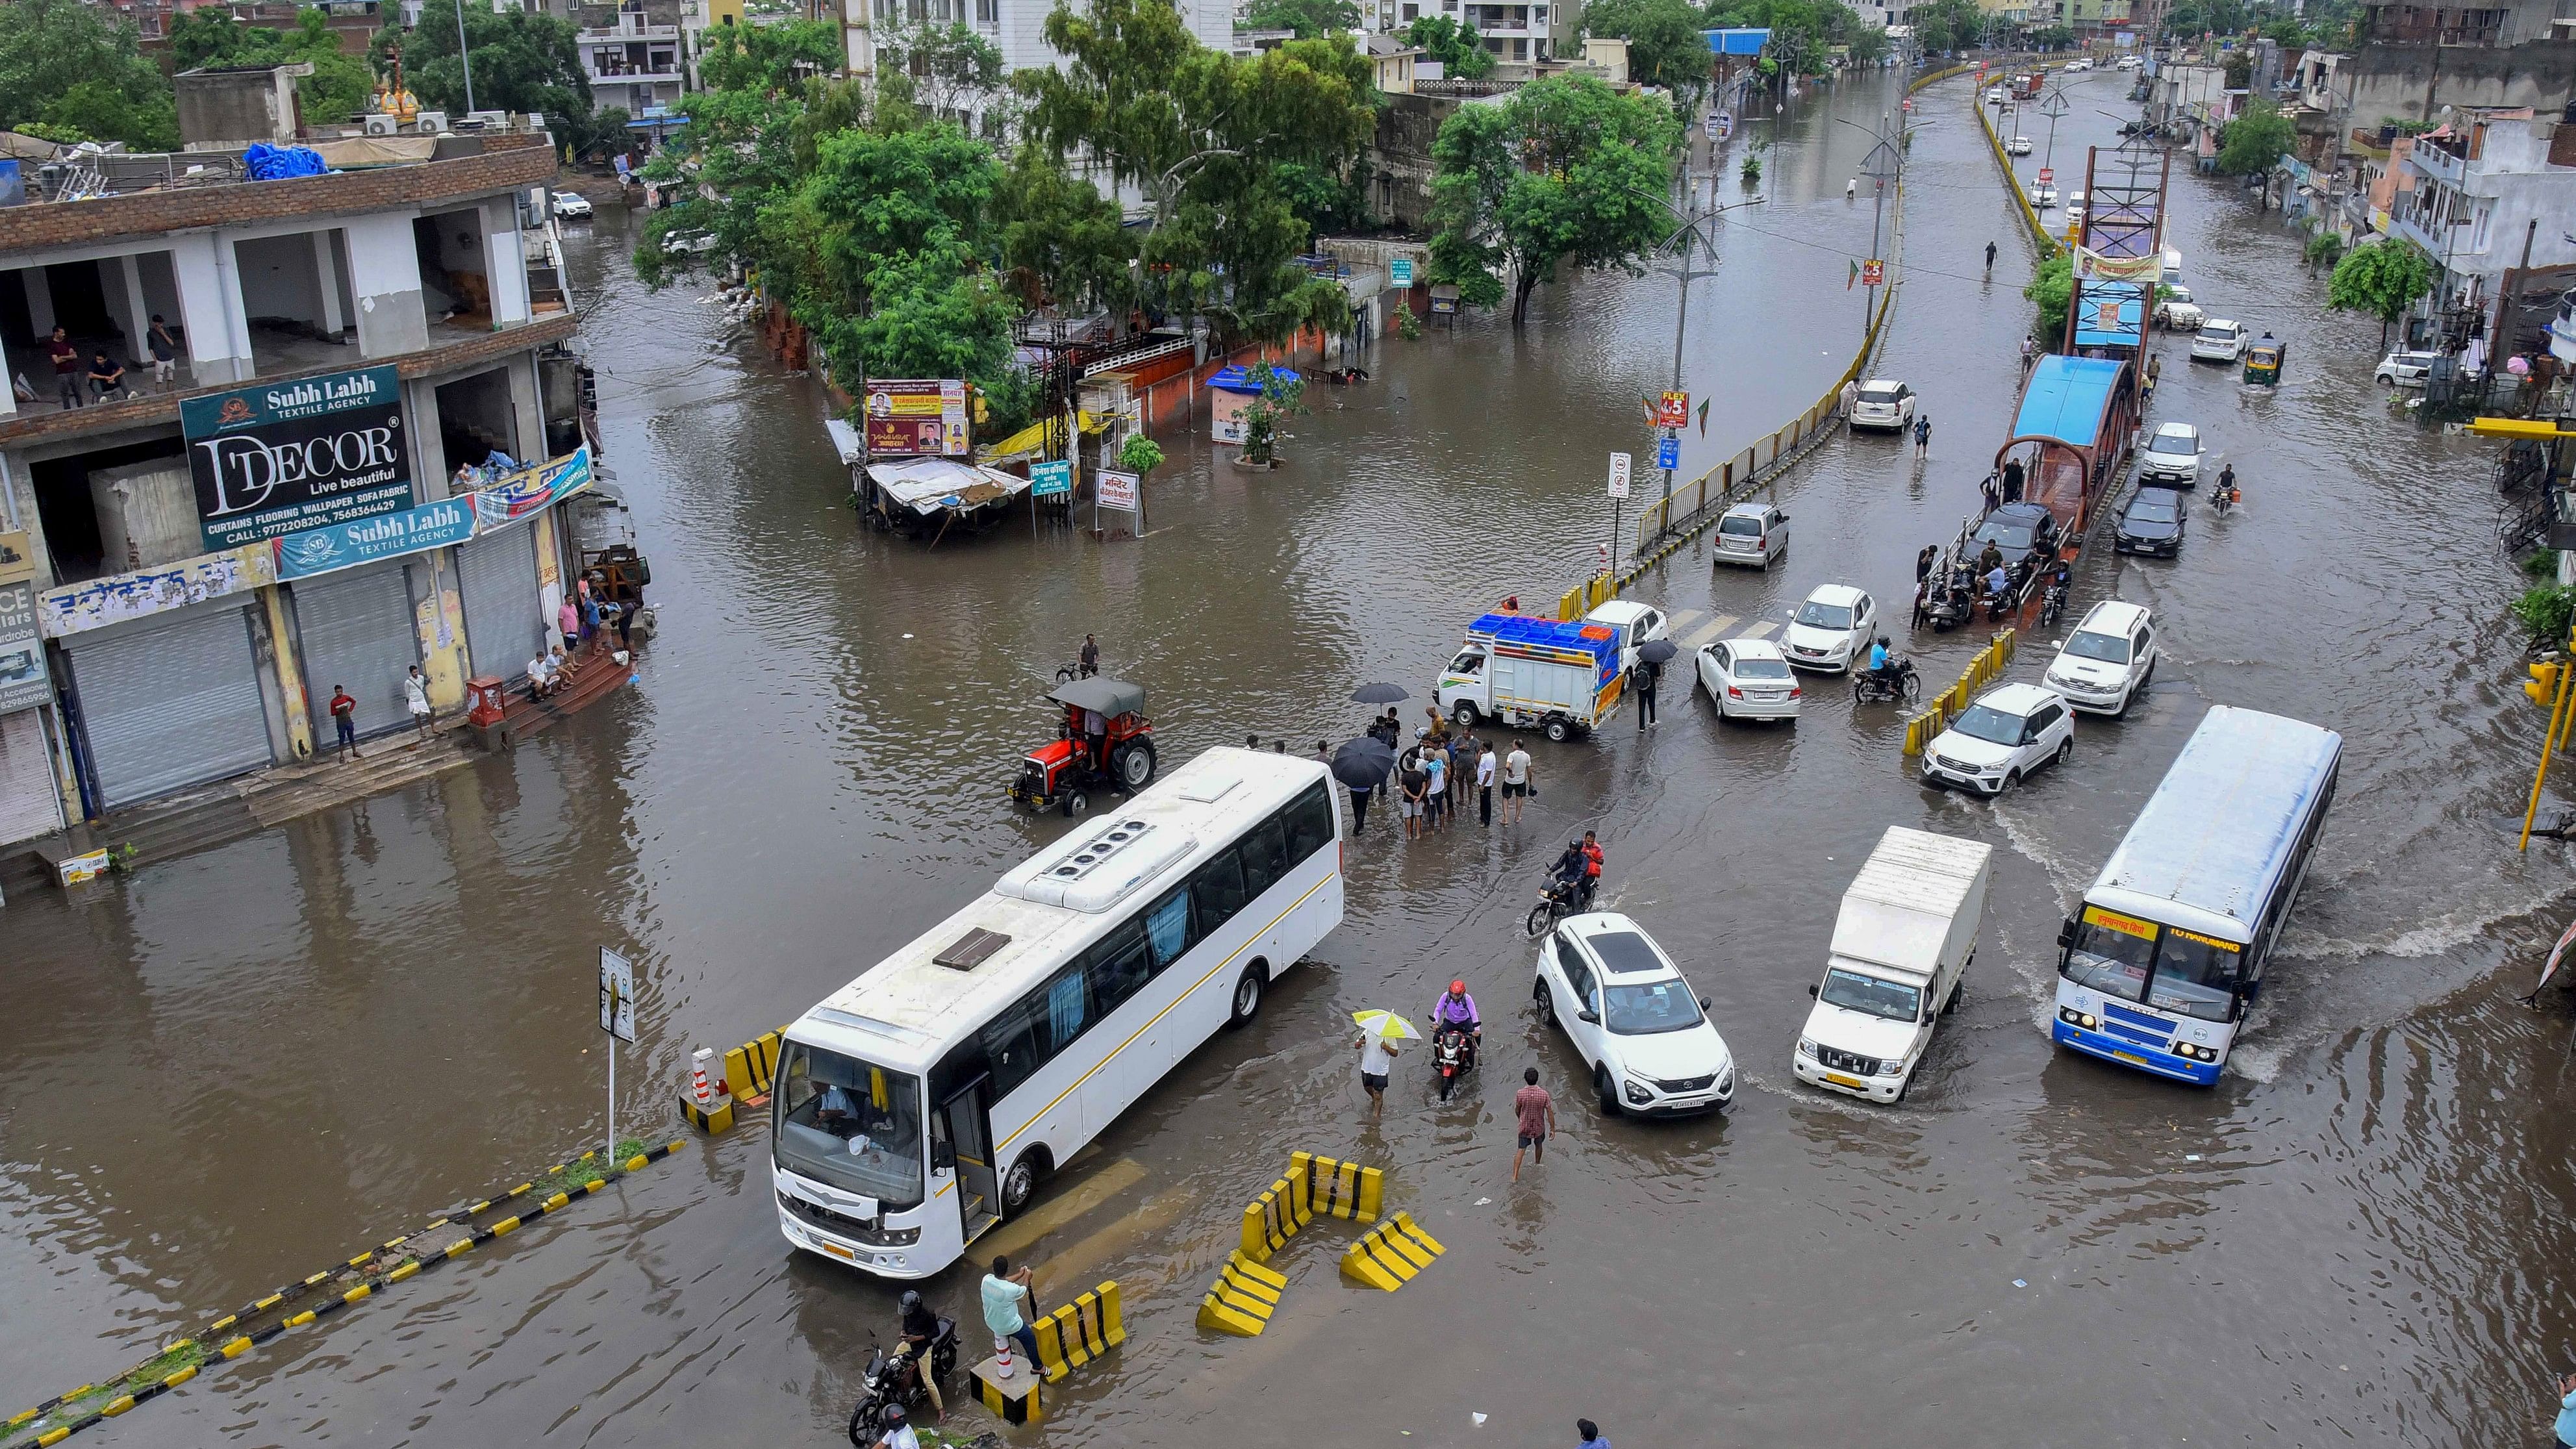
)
(490, 120)
(430, 123)
(382, 125)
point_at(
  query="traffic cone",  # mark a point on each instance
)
(1002, 1356)
(698, 1087)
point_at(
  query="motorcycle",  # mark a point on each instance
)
(2051, 605)
(1453, 1051)
(1898, 682)
(895, 1377)
(1952, 607)
(1557, 899)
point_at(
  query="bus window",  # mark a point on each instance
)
(1310, 825)
(1265, 856)
(1117, 968)
(2197, 975)
(2111, 954)
(1167, 928)
(1217, 890)
(1034, 1028)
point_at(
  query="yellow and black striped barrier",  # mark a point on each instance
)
(1949, 704)
(1247, 1290)
(750, 1071)
(1080, 1331)
(1243, 1297)
(224, 1339)
(1389, 1255)
(1339, 1189)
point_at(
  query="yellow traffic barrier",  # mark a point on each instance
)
(1079, 1332)
(1337, 1189)
(1389, 1255)
(749, 1069)
(1243, 1298)
(1983, 670)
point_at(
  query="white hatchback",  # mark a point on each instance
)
(2009, 732)
(2219, 340)
(2102, 665)
(1883, 402)
(1832, 626)
(1751, 533)
(1644, 1036)
(1748, 679)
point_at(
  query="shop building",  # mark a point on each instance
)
(350, 468)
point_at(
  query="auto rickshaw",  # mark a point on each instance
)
(2263, 363)
(1062, 775)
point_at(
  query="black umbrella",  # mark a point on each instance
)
(1378, 694)
(1656, 651)
(1363, 763)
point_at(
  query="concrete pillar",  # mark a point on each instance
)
(40, 300)
(294, 708)
(505, 262)
(527, 410)
(138, 325)
(384, 277)
(428, 453)
(210, 308)
(326, 276)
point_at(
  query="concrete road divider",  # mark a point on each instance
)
(1389, 1255)
(1243, 1298)
(713, 1105)
(1247, 1290)
(1950, 703)
(1080, 1331)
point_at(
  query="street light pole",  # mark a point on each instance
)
(463, 58)
(1688, 232)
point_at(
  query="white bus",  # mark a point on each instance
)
(918, 1106)
(2156, 969)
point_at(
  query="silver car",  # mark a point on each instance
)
(1752, 533)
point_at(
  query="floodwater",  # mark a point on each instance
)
(229, 1071)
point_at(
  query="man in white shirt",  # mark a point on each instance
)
(1486, 768)
(1377, 1060)
(1516, 783)
(541, 677)
(416, 698)
(898, 1433)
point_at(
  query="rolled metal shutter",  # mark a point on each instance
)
(169, 704)
(499, 576)
(29, 804)
(355, 629)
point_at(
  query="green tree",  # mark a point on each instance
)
(524, 61)
(947, 71)
(2052, 37)
(1308, 18)
(65, 65)
(2383, 278)
(771, 60)
(2256, 140)
(1805, 33)
(1666, 46)
(1566, 171)
(739, 149)
(1201, 136)
(2239, 69)
(1462, 56)
(1061, 241)
(2051, 288)
(341, 86)
(1946, 25)
(1282, 393)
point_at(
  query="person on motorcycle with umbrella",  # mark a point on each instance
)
(920, 1331)
(1456, 1008)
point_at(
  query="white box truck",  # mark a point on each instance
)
(1907, 932)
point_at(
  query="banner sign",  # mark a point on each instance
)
(917, 418)
(1047, 480)
(531, 491)
(1673, 411)
(2093, 266)
(1873, 272)
(1117, 490)
(516, 498)
(1400, 273)
(1668, 453)
(282, 457)
(22, 654)
(76, 608)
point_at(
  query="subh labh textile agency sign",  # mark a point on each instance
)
(283, 457)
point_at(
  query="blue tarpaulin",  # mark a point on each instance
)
(2110, 314)
(1737, 41)
(2066, 399)
(264, 162)
(1238, 379)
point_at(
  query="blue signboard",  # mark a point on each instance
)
(1049, 479)
(391, 535)
(1668, 453)
(1401, 272)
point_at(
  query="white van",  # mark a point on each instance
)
(1907, 932)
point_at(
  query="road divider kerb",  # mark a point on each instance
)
(227, 1338)
(750, 1071)
(1989, 665)
(1247, 1290)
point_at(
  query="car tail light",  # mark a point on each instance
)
(1734, 693)
(1796, 693)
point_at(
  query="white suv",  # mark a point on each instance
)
(2013, 730)
(1644, 1036)
(2102, 665)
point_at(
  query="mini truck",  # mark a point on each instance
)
(1907, 932)
(1560, 678)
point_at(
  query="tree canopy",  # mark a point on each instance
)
(68, 69)
(2256, 140)
(1461, 55)
(1566, 170)
(1666, 43)
(1308, 18)
(341, 85)
(524, 61)
(1946, 25)
(945, 71)
(2051, 290)
(2383, 278)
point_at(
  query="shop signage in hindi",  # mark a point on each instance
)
(1117, 490)
(917, 418)
(1049, 480)
(282, 457)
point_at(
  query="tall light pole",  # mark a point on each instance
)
(2053, 107)
(1683, 237)
(464, 59)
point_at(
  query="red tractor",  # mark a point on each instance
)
(1105, 743)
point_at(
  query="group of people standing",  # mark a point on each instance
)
(1439, 772)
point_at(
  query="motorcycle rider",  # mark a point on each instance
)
(1882, 667)
(920, 1330)
(898, 1434)
(2226, 496)
(1456, 1008)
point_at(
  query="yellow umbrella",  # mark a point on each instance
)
(1386, 1024)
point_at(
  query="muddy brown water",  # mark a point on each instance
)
(226, 1072)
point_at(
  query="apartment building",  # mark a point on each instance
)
(2492, 192)
(320, 490)
(1017, 28)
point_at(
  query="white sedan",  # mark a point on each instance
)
(1830, 629)
(2043, 197)
(1644, 1036)
(1994, 95)
(2219, 340)
(2074, 66)
(1748, 679)
(2017, 146)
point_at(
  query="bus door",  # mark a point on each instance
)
(966, 1137)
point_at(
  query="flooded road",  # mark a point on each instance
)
(226, 1072)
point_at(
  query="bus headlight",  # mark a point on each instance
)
(2195, 1053)
(2072, 1017)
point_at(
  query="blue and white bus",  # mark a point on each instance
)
(918, 1106)
(2170, 944)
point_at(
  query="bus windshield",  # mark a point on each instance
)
(850, 1125)
(2112, 954)
(2197, 975)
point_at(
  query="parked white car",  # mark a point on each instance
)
(2219, 340)
(2043, 197)
(1830, 629)
(2010, 731)
(681, 244)
(1643, 1034)
(572, 204)
(2175, 310)
(2102, 665)
(1994, 95)
(2172, 456)
(2128, 62)
(1751, 533)
(2405, 368)
(1749, 679)
(1883, 403)
(2017, 146)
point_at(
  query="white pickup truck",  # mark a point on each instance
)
(1907, 932)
